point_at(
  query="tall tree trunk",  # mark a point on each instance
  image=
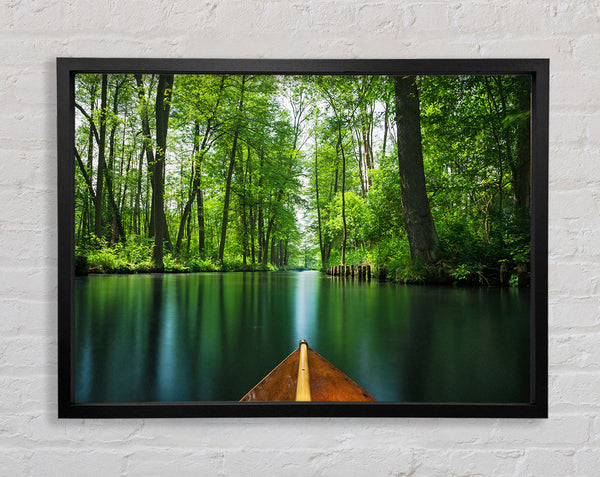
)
(260, 231)
(344, 228)
(193, 189)
(101, 165)
(385, 129)
(189, 232)
(199, 192)
(422, 235)
(162, 109)
(323, 263)
(251, 214)
(245, 251)
(136, 206)
(361, 166)
(227, 196)
(120, 231)
(230, 174)
(366, 133)
(117, 230)
(200, 213)
(522, 172)
(90, 162)
(500, 113)
(148, 146)
(267, 239)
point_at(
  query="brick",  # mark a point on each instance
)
(66, 462)
(558, 49)
(472, 15)
(184, 463)
(22, 395)
(337, 16)
(105, 432)
(592, 132)
(35, 317)
(18, 168)
(568, 127)
(579, 389)
(15, 462)
(26, 242)
(574, 204)
(595, 431)
(584, 96)
(566, 239)
(27, 283)
(21, 355)
(468, 462)
(558, 430)
(574, 312)
(38, 16)
(547, 462)
(562, 275)
(585, 46)
(575, 350)
(384, 17)
(322, 462)
(587, 461)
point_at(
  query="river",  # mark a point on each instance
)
(212, 336)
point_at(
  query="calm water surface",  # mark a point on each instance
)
(212, 336)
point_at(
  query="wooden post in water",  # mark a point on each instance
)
(347, 270)
(522, 275)
(503, 273)
(368, 272)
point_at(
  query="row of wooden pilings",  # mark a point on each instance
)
(362, 272)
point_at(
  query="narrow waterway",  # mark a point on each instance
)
(212, 336)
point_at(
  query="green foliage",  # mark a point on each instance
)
(132, 256)
(196, 264)
(298, 137)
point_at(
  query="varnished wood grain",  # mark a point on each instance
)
(327, 383)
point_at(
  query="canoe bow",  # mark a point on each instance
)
(306, 376)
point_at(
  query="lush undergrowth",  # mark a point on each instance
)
(485, 265)
(134, 257)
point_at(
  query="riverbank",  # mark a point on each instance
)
(109, 264)
(134, 259)
(465, 274)
(440, 273)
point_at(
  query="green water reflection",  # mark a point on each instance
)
(212, 336)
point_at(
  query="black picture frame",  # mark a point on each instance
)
(537, 407)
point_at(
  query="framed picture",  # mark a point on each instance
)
(302, 237)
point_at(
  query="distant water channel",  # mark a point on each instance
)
(212, 336)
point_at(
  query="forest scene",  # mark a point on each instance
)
(426, 179)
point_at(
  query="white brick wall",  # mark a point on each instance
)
(34, 32)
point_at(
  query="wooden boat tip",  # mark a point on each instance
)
(304, 375)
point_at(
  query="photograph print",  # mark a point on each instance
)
(247, 237)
